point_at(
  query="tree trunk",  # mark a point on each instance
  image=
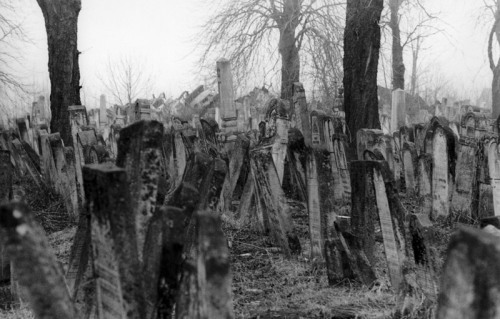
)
(361, 54)
(61, 23)
(289, 48)
(413, 87)
(398, 66)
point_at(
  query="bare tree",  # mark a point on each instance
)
(361, 54)
(409, 22)
(61, 23)
(127, 80)
(11, 36)
(495, 68)
(250, 32)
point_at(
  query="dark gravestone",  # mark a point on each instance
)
(115, 261)
(470, 284)
(36, 267)
(139, 153)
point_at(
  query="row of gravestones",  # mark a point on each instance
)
(130, 250)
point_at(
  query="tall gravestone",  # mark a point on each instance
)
(226, 95)
(301, 112)
(103, 114)
(398, 114)
(440, 184)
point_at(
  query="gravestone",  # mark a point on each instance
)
(36, 268)
(114, 255)
(469, 287)
(466, 187)
(409, 163)
(271, 201)
(103, 113)
(5, 176)
(139, 152)
(494, 175)
(226, 95)
(424, 183)
(440, 183)
(301, 112)
(398, 114)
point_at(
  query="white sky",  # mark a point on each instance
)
(161, 32)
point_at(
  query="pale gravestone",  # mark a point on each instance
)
(494, 172)
(386, 223)
(398, 114)
(103, 114)
(313, 208)
(424, 183)
(226, 95)
(409, 159)
(440, 199)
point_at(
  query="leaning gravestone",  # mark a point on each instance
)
(115, 262)
(470, 284)
(36, 267)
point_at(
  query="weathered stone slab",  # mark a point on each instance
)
(214, 275)
(440, 182)
(236, 162)
(469, 288)
(272, 201)
(394, 262)
(139, 152)
(313, 208)
(465, 191)
(5, 176)
(36, 267)
(167, 238)
(424, 183)
(301, 112)
(114, 253)
(340, 171)
(409, 164)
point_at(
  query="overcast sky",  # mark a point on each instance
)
(161, 33)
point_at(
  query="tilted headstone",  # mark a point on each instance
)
(469, 286)
(301, 112)
(236, 162)
(36, 267)
(115, 262)
(272, 202)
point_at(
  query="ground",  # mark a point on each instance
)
(265, 283)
